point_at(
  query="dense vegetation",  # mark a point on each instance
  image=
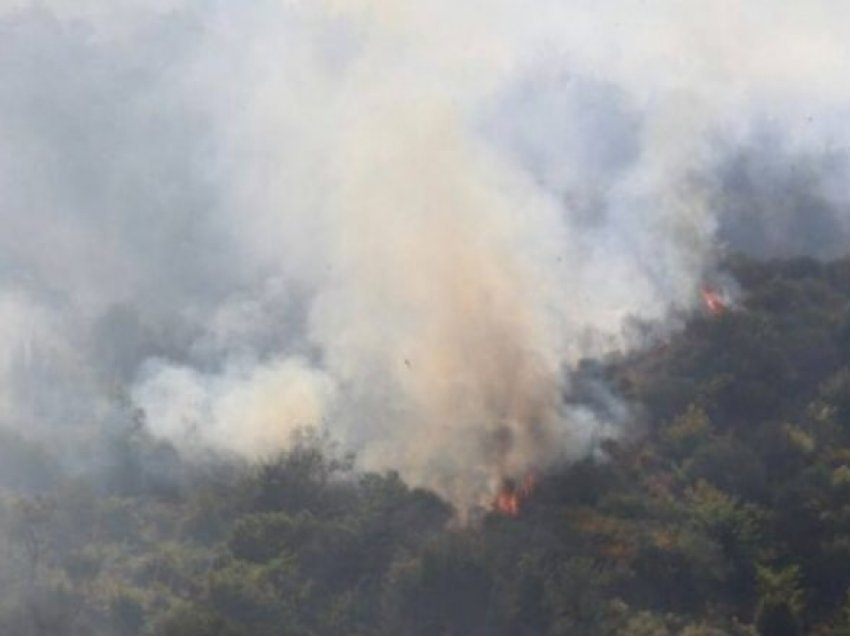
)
(728, 514)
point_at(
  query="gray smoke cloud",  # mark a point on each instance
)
(777, 201)
(406, 222)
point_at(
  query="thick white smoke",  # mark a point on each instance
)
(405, 221)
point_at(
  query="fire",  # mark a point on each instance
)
(714, 302)
(512, 496)
(507, 503)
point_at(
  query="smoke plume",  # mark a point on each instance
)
(407, 222)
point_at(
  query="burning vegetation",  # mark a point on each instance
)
(714, 301)
(513, 495)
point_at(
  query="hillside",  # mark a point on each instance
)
(723, 509)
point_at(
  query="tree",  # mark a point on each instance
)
(780, 607)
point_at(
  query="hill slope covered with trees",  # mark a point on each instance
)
(726, 511)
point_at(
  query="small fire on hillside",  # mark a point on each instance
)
(513, 495)
(714, 301)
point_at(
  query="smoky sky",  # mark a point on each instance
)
(779, 202)
(404, 222)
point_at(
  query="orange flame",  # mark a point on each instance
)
(511, 497)
(714, 302)
(507, 503)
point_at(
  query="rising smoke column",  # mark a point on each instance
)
(448, 288)
(438, 308)
(404, 221)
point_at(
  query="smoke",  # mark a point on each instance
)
(184, 405)
(405, 222)
(776, 201)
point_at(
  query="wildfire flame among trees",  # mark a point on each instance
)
(714, 301)
(513, 495)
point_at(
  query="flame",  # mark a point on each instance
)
(507, 503)
(714, 302)
(512, 496)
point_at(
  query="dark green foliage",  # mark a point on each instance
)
(780, 607)
(730, 466)
(445, 590)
